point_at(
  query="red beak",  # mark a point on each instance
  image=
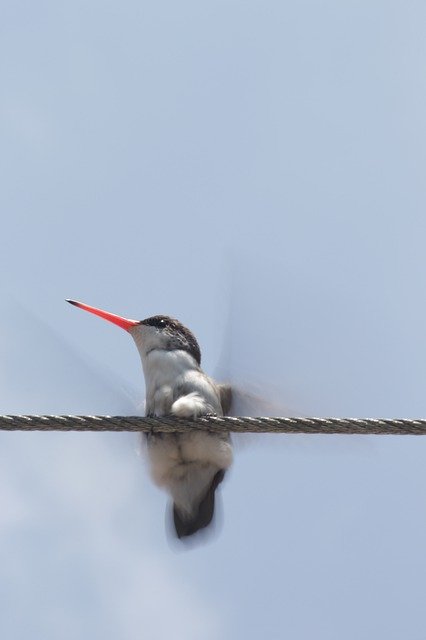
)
(124, 323)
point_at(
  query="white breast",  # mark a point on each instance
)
(175, 384)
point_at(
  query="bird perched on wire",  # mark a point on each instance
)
(190, 465)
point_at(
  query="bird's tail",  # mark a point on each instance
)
(199, 515)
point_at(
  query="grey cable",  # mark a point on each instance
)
(214, 423)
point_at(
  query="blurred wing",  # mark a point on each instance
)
(249, 403)
(42, 373)
(255, 367)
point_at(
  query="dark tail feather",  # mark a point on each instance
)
(187, 526)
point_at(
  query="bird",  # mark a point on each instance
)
(190, 465)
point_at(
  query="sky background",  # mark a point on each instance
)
(255, 169)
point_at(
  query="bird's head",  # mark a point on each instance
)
(154, 333)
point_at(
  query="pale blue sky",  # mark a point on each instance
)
(255, 169)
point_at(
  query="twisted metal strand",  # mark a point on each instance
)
(214, 423)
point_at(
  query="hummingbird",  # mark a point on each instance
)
(190, 465)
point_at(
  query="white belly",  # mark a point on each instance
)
(185, 463)
(170, 453)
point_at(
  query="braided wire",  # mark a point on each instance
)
(214, 423)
